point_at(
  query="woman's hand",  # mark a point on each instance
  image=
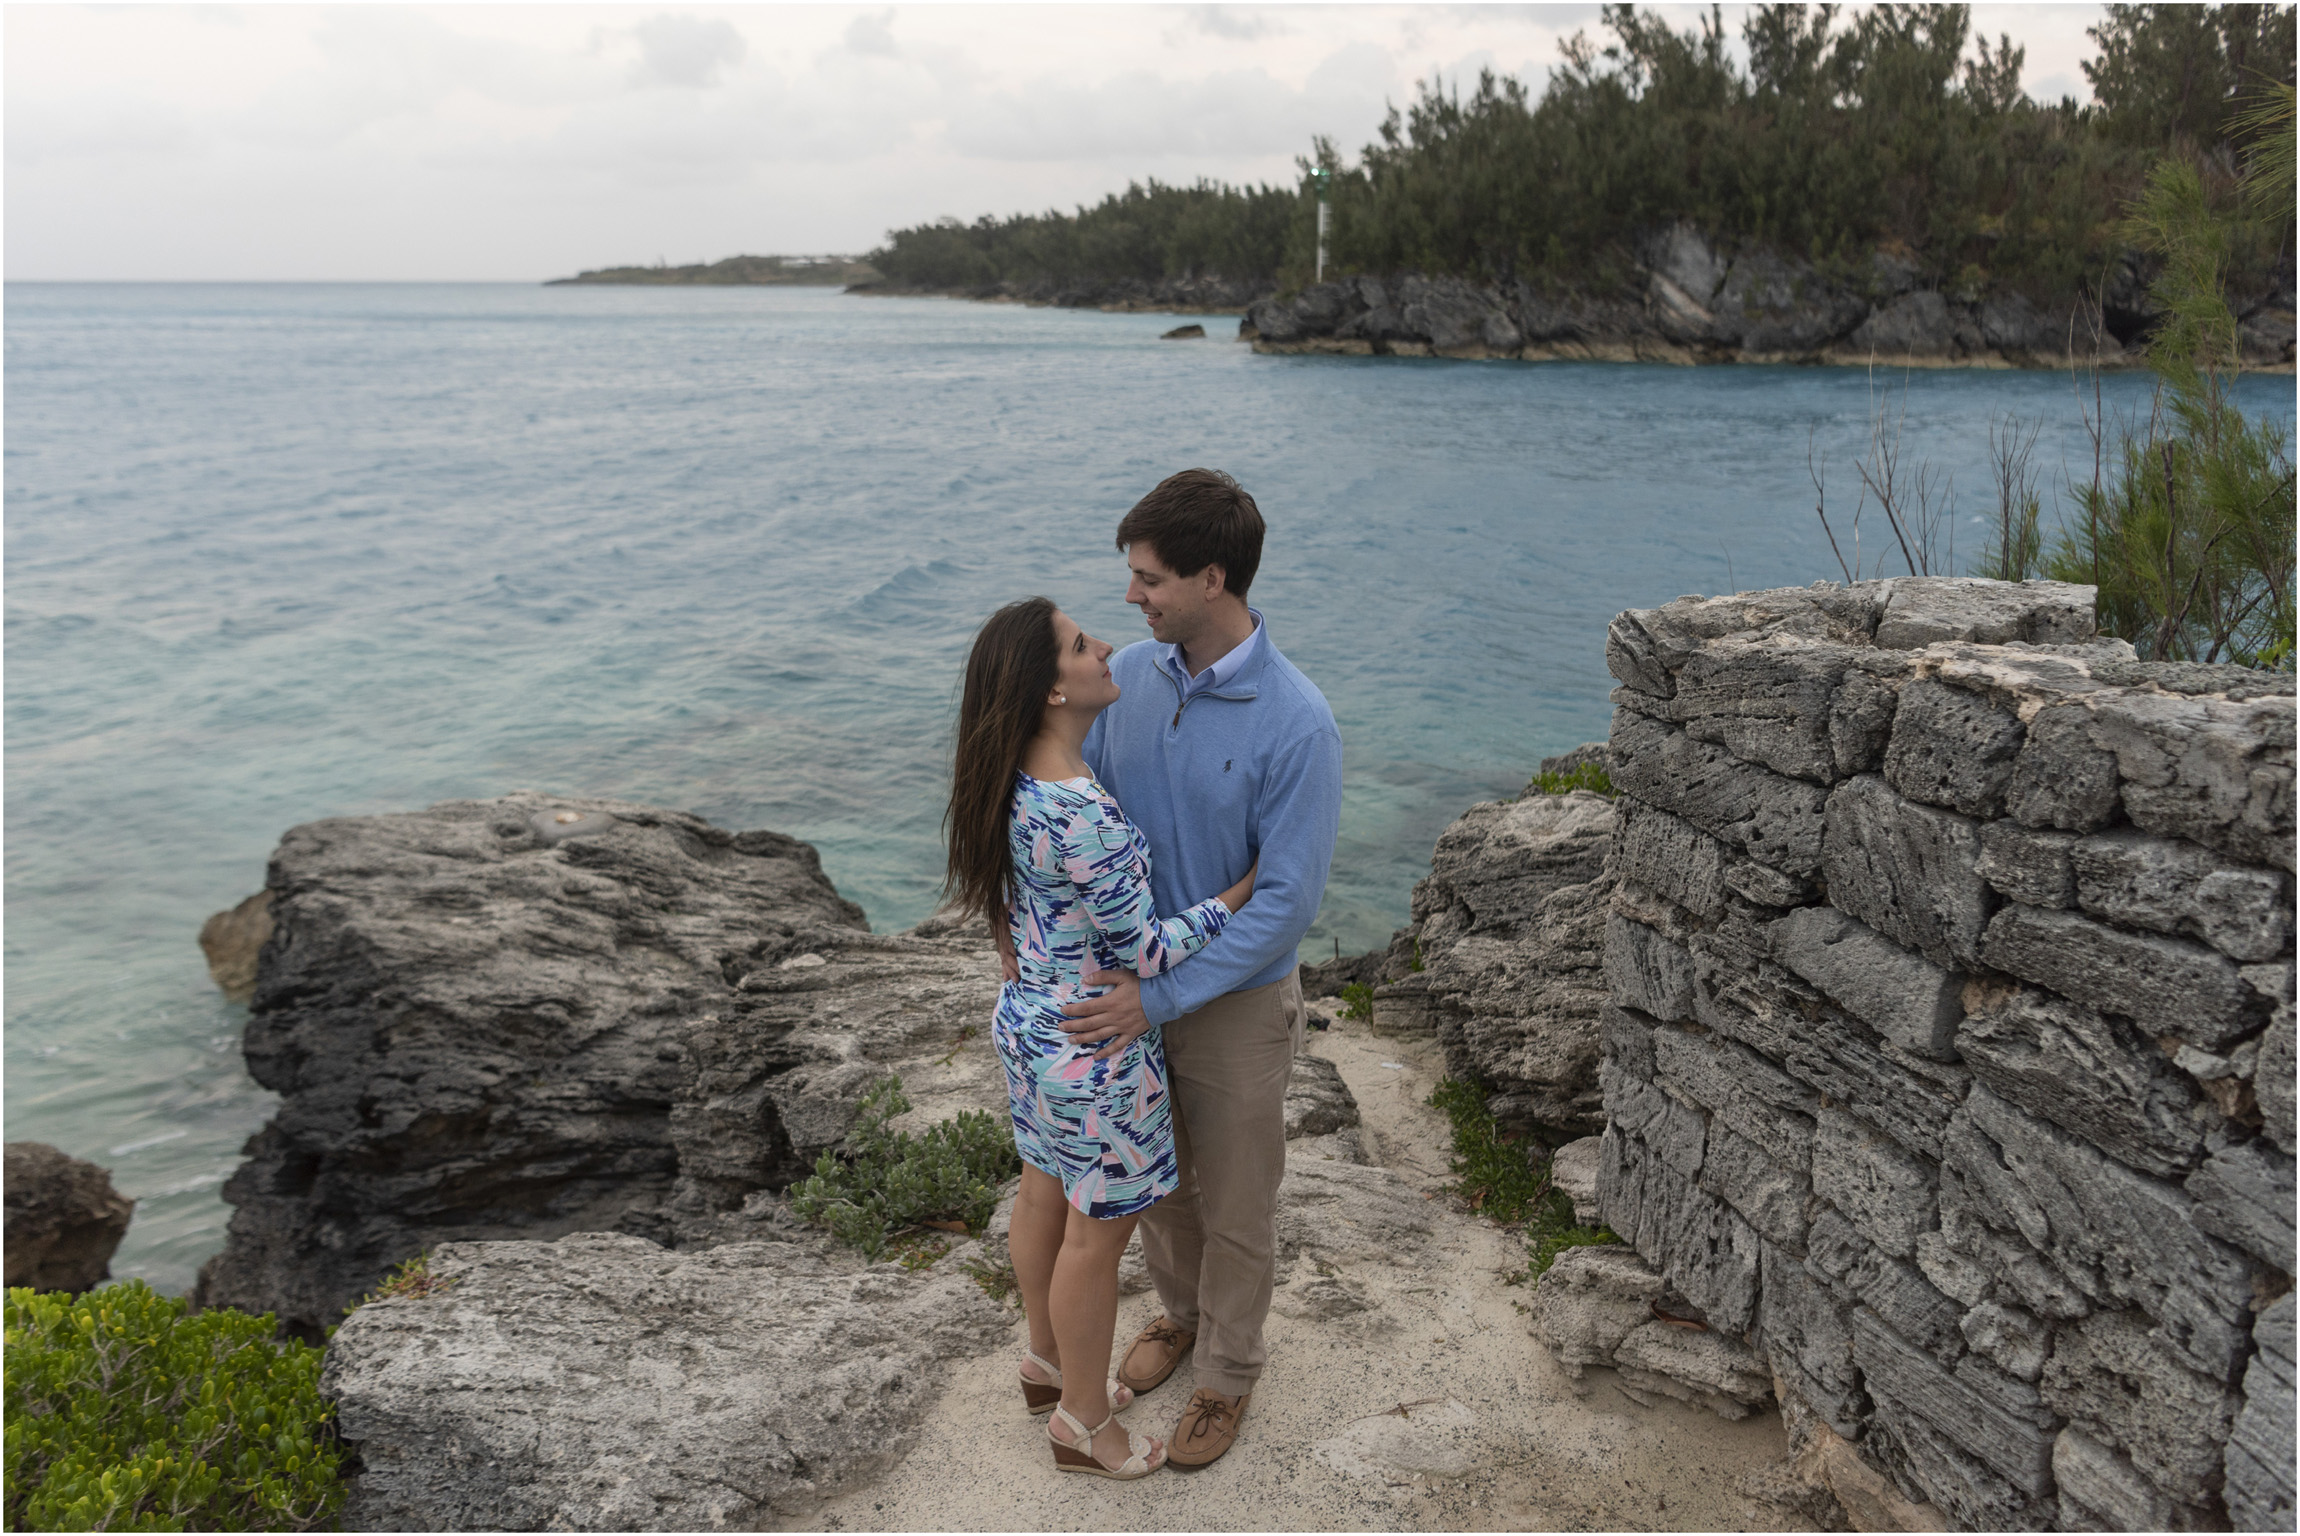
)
(1237, 895)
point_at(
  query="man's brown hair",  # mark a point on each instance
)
(1198, 518)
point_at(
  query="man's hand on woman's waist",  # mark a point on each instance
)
(1115, 1017)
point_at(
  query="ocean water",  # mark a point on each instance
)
(289, 551)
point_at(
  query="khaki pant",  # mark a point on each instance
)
(1211, 1246)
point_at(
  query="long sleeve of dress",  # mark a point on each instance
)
(1099, 853)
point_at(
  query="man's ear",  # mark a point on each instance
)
(1217, 581)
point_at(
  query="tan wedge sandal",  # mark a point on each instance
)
(1145, 1454)
(1041, 1396)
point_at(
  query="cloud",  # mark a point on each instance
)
(1239, 23)
(686, 51)
(872, 35)
(1224, 116)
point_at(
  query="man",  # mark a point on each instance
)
(1221, 752)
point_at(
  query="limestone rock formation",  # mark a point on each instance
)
(1503, 960)
(603, 1383)
(1947, 1052)
(1605, 1306)
(64, 1219)
(532, 1016)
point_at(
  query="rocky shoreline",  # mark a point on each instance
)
(1686, 303)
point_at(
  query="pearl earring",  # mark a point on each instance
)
(1062, 698)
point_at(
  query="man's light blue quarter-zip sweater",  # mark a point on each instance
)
(1248, 767)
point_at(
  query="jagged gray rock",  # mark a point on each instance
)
(64, 1219)
(602, 1383)
(2259, 1462)
(1604, 1306)
(481, 1031)
(1508, 926)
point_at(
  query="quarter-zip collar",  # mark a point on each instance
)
(1245, 683)
(1217, 678)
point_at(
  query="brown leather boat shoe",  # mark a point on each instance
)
(1207, 1428)
(1151, 1358)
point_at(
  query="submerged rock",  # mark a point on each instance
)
(65, 1220)
(232, 941)
(531, 1016)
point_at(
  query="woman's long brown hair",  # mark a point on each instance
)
(1009, 673)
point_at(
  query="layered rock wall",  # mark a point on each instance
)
(1949, 1052)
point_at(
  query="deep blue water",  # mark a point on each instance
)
(283, 552)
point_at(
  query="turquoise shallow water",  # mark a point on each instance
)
(282, 552)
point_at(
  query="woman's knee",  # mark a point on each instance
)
(1097, 1237)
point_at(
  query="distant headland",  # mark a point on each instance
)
(740, 271)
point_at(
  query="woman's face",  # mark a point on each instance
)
(1083, 671)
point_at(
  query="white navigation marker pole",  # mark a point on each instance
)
(1323, 179)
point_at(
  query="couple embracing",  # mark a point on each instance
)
(1148, 833)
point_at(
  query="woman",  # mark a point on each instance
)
(1037, 846)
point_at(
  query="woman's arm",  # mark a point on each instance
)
(1238, 895)
(1113, 882)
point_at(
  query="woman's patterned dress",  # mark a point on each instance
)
(1084, 904)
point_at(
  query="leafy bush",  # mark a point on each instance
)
(124, 1413)
(1509, 1181)
(892, 1183)
(1493, 1173)
(1554, 1230)
(1582, 776)
(1358, 1002)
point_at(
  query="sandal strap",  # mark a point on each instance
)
(1053, 1371)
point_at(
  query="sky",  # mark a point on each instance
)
(520, 142)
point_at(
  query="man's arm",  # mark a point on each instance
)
(1301, 812)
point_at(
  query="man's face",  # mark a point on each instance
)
(1176, 607)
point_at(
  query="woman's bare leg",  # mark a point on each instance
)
(1083, 1303)
(1033, 1238)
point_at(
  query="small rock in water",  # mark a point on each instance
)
(1184, 333)
(64, 1219)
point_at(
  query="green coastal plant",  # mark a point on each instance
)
(1510, 1180)
(1492, 1172)
(126, 1412)
(891, 1185)
(1591, 776)
(1358, 1002)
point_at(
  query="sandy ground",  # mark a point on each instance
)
(1434, 1409)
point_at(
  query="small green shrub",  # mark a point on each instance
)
(1502, 1179)
(894, 1183)
(1583, 776)
(409, 1280)
(125, 1414)
(1491, 1172)
(1358, 1002)
(1554, 1230)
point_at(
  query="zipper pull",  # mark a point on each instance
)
(1177, 717)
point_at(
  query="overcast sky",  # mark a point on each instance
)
(527, 141)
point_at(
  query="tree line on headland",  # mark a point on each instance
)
(1838, 136)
